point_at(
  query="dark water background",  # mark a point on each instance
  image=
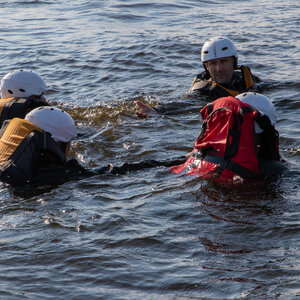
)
(150, 234)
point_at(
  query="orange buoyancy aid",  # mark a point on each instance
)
(21, 145)
(18, 107)
(242, 81)
(247, 78)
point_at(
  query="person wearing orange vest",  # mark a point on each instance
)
(21, 91)
(222, 76)
(35, 149)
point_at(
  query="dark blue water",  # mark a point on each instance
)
(150, 234)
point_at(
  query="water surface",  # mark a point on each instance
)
(150, 234)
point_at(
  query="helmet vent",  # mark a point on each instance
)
(22, 90)
(224, 48)
(206, 52)
(10, 91)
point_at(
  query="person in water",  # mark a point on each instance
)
(34, 150)
(238, 141)
(21, 91)
(222, 76)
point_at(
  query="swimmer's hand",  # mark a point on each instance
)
(188, 155)
(144, 110)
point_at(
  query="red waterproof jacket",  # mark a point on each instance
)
(227, 142)
(228, 132)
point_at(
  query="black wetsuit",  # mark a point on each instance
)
(73, 170)
(204, 90)
(18, 107)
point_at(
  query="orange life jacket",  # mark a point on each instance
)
(21, 146)
(243, 81)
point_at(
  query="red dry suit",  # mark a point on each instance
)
(227, 146)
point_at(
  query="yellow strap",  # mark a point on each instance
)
(247, 76)
(231, 92)
(248, 82)
(12, 137)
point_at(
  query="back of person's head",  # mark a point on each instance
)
(267, 137)
(218, 47)
(57, 122)
(262, 103)
(21, 83)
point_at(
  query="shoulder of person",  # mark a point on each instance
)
(240, 71)
(4, 101)
(200, 82)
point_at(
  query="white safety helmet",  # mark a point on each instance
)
(218, 47)
(262, 103)
(58, 123)
(21, 83)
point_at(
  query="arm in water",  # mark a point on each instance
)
(146, 164)
(144, 110)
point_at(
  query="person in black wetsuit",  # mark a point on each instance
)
(222, 76)
(21, 92)
(34, 151)
(238, 141)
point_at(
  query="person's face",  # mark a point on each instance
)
(220, 69)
